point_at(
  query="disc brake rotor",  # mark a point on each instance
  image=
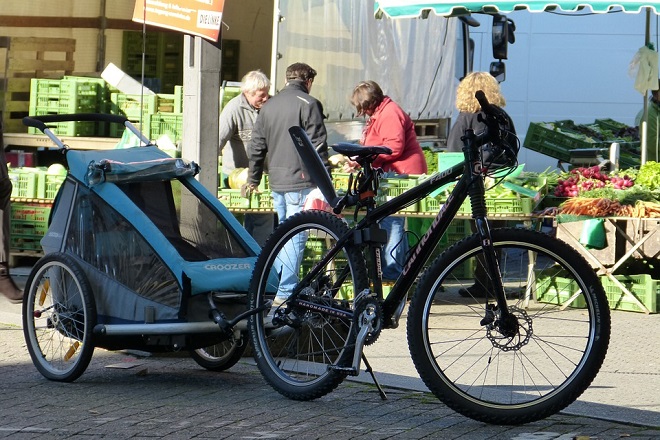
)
(520, 336)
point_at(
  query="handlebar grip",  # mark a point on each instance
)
(486, 107)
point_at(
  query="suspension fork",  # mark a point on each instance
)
(492, 263)
(477, 195)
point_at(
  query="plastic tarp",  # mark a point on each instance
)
(413, 60)
(107, 170)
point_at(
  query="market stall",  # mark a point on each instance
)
(612, 218)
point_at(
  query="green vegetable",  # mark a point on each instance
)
(624, 196)
(649, 175)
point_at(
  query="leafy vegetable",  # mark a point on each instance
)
(649, 175)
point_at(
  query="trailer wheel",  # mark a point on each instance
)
(59, 314)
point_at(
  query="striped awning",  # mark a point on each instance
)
(417, 8)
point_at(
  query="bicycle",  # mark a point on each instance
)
(526, 351)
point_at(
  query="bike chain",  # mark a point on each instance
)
(361, 305)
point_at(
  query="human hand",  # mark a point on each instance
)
(350, 166)
(247, 189)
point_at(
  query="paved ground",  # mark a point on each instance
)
(124, 396)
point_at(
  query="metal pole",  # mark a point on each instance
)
(274, 54)
(645, 111)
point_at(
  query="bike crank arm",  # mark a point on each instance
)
(366, 327)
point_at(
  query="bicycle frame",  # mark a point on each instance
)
(470, 184)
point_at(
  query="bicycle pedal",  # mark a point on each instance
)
(350, 371)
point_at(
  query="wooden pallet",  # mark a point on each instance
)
(26, 58)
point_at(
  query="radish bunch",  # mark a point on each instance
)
(583, 179)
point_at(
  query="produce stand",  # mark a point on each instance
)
(609, 259)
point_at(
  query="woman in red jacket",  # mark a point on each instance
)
(388, 125)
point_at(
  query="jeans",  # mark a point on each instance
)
(290, 257)
(394, 252)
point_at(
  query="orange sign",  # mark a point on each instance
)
(196, 17)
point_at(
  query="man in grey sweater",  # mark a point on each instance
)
(236, 124)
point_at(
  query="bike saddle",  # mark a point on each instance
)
(356, 150)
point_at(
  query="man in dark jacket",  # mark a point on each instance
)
(290, 182)
(292, 106)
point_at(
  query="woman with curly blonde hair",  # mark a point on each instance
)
(465, 100)
(469, 109)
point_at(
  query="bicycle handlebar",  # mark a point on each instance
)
(39, 122)
(499, 132)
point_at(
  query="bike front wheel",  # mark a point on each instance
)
(515, 369)
(302, 348)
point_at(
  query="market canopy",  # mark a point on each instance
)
(444, 8)
(417, 8)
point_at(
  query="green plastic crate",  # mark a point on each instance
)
(645, 289)
(22, 243)
(29, 228)
(53, 183)
(166, 124)
(388, 193)
(227, 93)
(522, 205)
(70, 87)
(340, 181)
(610, 124)
(129, 105)
(262, 201)
(552, 288)
(509, 205)
(178, 99)
(232, 198)
(30, 212)
(24, 184)
(429, 204)
(553, 142)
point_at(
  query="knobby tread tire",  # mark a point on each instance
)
(430, 315)
(280, 379)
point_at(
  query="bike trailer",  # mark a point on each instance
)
(149, 237)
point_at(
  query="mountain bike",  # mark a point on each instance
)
(525, 351)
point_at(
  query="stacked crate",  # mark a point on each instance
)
(162, 60)
(156, 115)
(29, 223)
(27, 58)
(67, 96)
(34, 184)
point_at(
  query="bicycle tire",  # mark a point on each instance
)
(221, 356)
(559, 345)
(59, 313)
(295, 359)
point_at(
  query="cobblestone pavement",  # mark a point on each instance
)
(124, 396)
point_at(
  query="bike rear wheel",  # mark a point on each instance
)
(296, 351)
(472, 363)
